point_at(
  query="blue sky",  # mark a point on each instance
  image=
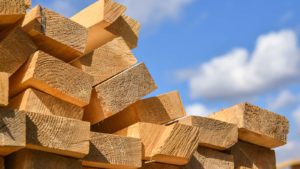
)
(219, 53)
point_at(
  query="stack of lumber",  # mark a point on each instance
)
(72, 96)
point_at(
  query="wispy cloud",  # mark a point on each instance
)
(289, 151)
(284, 99)
(198, 109)
(286, 17)
(274, 63)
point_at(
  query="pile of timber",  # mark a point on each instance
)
(72, 96)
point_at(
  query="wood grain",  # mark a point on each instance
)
(32, 100)
(11, 59)
(256, 125)
(4, 88)
(158, 110)
(112, 151)
(214, 133)
(55, 77)
(117, 93)
(107, 61)
(12, 10)
(174, 144)
(30, 159)
(250, 156)
(12, 132)
(55, 34)
(57, 135)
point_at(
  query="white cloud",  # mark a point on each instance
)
(198, 109)
(288, 152)
(64, 7)
(274, 63)
(154, 11)
(296, 115)
(284, 99)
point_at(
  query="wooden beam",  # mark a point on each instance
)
(112, 151)
(206, 158)
(12, 11)
(55, 34)
(13, 131)
(4, 88)
(174, 144)
(55, 77)
(256, 125)
(11, 59)
(30, 159)
(288, 164)
(154, 165)
(58, 135)
(214, 133)
(107, 61)
(158, 110)
(2, 165)
(101, 14)
(250, 156)
(32, 100)
(117, 93)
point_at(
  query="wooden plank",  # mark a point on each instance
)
(107, 61)
(250, 156)
(2, 165)
(12, 10)
(4, 88)
(214, 133)
(13, 131)
(101, 14)
(256, 125)
(32, 100)
(55, 34)
(117, 93)
(11, 59)
(157, 110)
(206, 158)
(57, 135)
(112, 151)
(154, 165)
(174, 144)
(55, 77)
(288, 164)
(30, 159)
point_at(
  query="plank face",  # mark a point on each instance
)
(112, 151)
(214, 133)
(55, 34)
(11, 59)
(57, 135)
(31, 159)
(256, 125)
(107, 61)
(32, 100)
(153, 165)
(13, 132)
(250, 156)
(55, 77)
(117, 93)
(4, 88)
(12, 10)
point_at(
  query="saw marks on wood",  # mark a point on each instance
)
(117, 93)
(55, 34)
(55, 77)
(12, 10)
(214, 133)
(256, 125)
(32, 100)
(158, 110)
(112, 151)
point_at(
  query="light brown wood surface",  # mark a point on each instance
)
(55, 34)
(117, 93)
(4, 88)
(15, 49)
(13, 131)
(55, 77)
(12, 10)
(250, 156)
(214, 133)
(256, 125)
(101, 14)
(154, 165)
(32, 100)
(158, 110)
(58, 135)
(31, 159)
(174, 144)
(107, 61)
(112, 151)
